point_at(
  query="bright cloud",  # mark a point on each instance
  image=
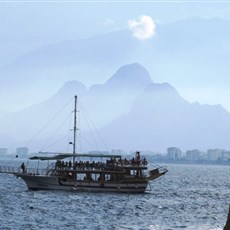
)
(142, 28)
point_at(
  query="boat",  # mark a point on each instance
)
(88, 172)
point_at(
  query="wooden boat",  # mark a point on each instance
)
(111, 175)
(90, 172)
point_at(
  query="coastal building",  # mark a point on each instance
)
(3, 151)
(214, 154)
(226, 156)
(193, 155)
(174, 153)
(22, 151)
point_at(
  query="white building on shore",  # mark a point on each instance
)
(22, 151)
(214, 154)
(193, 155)
(3, 151)
(174, 153)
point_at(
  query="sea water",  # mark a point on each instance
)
(187, 197)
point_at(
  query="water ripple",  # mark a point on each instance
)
(188, 197)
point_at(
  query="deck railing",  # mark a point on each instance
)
(15, 170)
(9, 169)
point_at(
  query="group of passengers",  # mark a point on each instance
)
(79, 165)
(111, 164)
(136, 161)
(63, 164)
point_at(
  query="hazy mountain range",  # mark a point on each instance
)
(130, 112)
(160, 117)
(188, 47)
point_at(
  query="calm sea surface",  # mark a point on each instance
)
(187, 197)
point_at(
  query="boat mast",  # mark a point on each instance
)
(74, 129)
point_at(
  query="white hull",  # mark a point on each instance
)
(37, 182)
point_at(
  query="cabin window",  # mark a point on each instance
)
(96, 177)
(136, 173)
(108, 177)
(133, 172)
(80, 176)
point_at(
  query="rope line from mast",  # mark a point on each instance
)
(91, 127)
(48, 146)
(47, 123)
(55, 133)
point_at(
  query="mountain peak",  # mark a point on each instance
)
(72, 87)
(132, 76)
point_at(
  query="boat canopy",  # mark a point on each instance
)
(66, 155)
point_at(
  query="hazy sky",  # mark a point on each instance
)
(27, 25)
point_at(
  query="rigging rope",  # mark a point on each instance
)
(52, 118)
(90, 123)
(48, 146)
(55, 133)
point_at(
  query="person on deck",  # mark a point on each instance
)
(23, 167)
